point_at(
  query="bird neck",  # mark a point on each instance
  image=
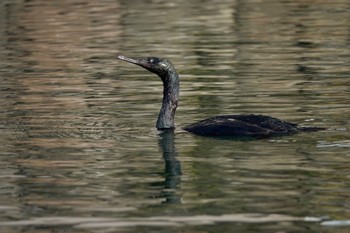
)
(171, 90)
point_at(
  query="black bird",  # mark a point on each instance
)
(251, 126)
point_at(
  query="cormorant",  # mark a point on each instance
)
(255, 126)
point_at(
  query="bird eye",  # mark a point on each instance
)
(153, 60)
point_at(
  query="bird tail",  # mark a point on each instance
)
(311, 129)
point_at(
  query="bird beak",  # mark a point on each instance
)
(135, 60)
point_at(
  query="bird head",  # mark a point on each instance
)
(159, 66)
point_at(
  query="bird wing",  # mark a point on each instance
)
(228, 126)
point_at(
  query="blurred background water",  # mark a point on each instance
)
(79, 148)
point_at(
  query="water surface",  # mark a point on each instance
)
(79, 149)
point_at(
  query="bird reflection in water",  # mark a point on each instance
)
(172, 167)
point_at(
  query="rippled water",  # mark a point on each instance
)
(79, 149)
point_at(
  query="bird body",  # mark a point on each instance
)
(255, 126)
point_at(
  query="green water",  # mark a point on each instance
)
(79, 148)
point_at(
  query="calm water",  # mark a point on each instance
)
(79, 151)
